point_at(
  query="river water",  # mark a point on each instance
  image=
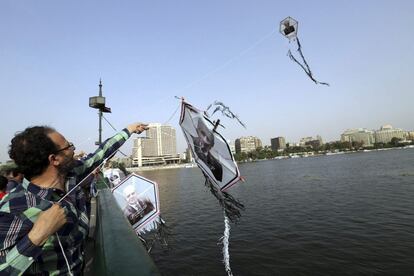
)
(349, 214)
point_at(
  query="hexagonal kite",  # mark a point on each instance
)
(289, 29)
(139, 201)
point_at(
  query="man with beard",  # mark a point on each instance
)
(136, 208)
(31, 220)
(202, 146)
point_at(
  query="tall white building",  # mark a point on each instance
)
(160, 140)
(387, 132)
(157, 147)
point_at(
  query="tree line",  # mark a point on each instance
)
(337, 146)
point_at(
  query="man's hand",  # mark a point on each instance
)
(79, 155)
(48, 222)
(137, 128)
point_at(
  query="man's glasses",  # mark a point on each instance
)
(70, 145)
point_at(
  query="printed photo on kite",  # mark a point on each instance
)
(138, 199)
(203, 143)
(113, 176)
(210, 150)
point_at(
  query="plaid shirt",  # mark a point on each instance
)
(20, 209)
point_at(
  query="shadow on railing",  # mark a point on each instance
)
(113, 247)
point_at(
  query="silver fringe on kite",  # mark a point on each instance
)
(231, 206)
(158, 231)
(225, 241)
(225, 110)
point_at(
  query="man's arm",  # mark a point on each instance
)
(106, 149)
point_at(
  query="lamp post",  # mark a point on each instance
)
(98, 102)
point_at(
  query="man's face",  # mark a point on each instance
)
(205, 136)
(67, 165)
(131, 197)
(206, 146)
(65, 153)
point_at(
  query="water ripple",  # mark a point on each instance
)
(350, 214)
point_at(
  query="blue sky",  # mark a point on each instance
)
(53, 53)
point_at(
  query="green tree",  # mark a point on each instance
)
(395, 142)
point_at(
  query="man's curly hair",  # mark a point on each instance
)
(30, 150)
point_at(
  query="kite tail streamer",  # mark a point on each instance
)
(307, 69)
(302, 56)
(161, 235)
(232, 207)
(225, 110)
(225, 242)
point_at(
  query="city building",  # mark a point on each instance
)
(306, 141)
(247, 144)
(387, 132)
(362, 135)
(158, 147)
(310, 141)
(292, 144)
(278, 143)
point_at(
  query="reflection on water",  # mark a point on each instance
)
(346, 214)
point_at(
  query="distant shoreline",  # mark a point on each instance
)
(166, 167)
(192, 165)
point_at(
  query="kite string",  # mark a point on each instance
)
(173, 115)
(162, 132)
(219, 67)
(231, 60)
(64, 255)
(88, 175)
(109, 123)
(164, 123)
(99, 166)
